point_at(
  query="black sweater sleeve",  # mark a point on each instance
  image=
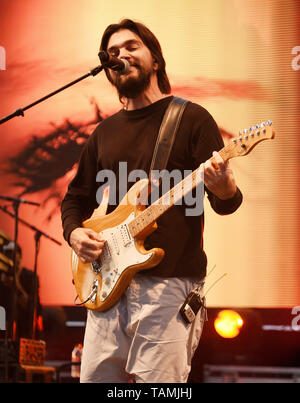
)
(206, 139)
(80, 199)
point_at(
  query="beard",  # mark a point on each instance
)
(131, 87)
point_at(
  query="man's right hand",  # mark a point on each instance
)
(86, 243)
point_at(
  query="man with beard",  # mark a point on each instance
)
(143, 335)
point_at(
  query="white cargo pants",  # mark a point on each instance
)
(143, 336)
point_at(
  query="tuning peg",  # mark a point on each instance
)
(262, 124)
(269, 122)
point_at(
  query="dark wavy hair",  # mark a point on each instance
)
(149, 40)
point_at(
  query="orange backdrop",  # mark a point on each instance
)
(237, 59)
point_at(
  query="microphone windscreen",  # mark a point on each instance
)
(126, 68)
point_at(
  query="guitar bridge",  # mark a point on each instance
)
(97, 265)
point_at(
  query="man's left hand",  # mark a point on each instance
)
(218, 177)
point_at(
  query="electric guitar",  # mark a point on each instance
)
(101, 283)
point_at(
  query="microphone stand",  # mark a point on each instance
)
(20, 111)
(37, 238)
(38, 234)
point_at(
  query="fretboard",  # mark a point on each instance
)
(169, 199)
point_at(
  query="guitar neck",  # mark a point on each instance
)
(169, 199)
(238, 147)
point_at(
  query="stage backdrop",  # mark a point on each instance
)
(239, 59)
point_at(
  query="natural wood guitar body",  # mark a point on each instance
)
(137, 258)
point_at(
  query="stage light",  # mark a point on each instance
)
(228, 323)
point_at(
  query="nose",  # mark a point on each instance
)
(124, 54)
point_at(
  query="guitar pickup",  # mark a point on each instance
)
(125, 235)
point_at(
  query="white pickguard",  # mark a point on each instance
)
(118, 254)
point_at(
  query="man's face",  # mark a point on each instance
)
(125, 44)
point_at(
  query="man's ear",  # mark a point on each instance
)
(155, 65)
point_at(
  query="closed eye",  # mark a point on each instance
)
(131, 48)
(130, 45)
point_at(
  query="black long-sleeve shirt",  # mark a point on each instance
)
(130, 136)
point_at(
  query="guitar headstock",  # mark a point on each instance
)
(250, 137)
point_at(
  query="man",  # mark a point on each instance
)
(24, 295)
(143, 335)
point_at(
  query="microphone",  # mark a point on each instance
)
(121, 66)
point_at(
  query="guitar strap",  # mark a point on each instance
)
(166, 137)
